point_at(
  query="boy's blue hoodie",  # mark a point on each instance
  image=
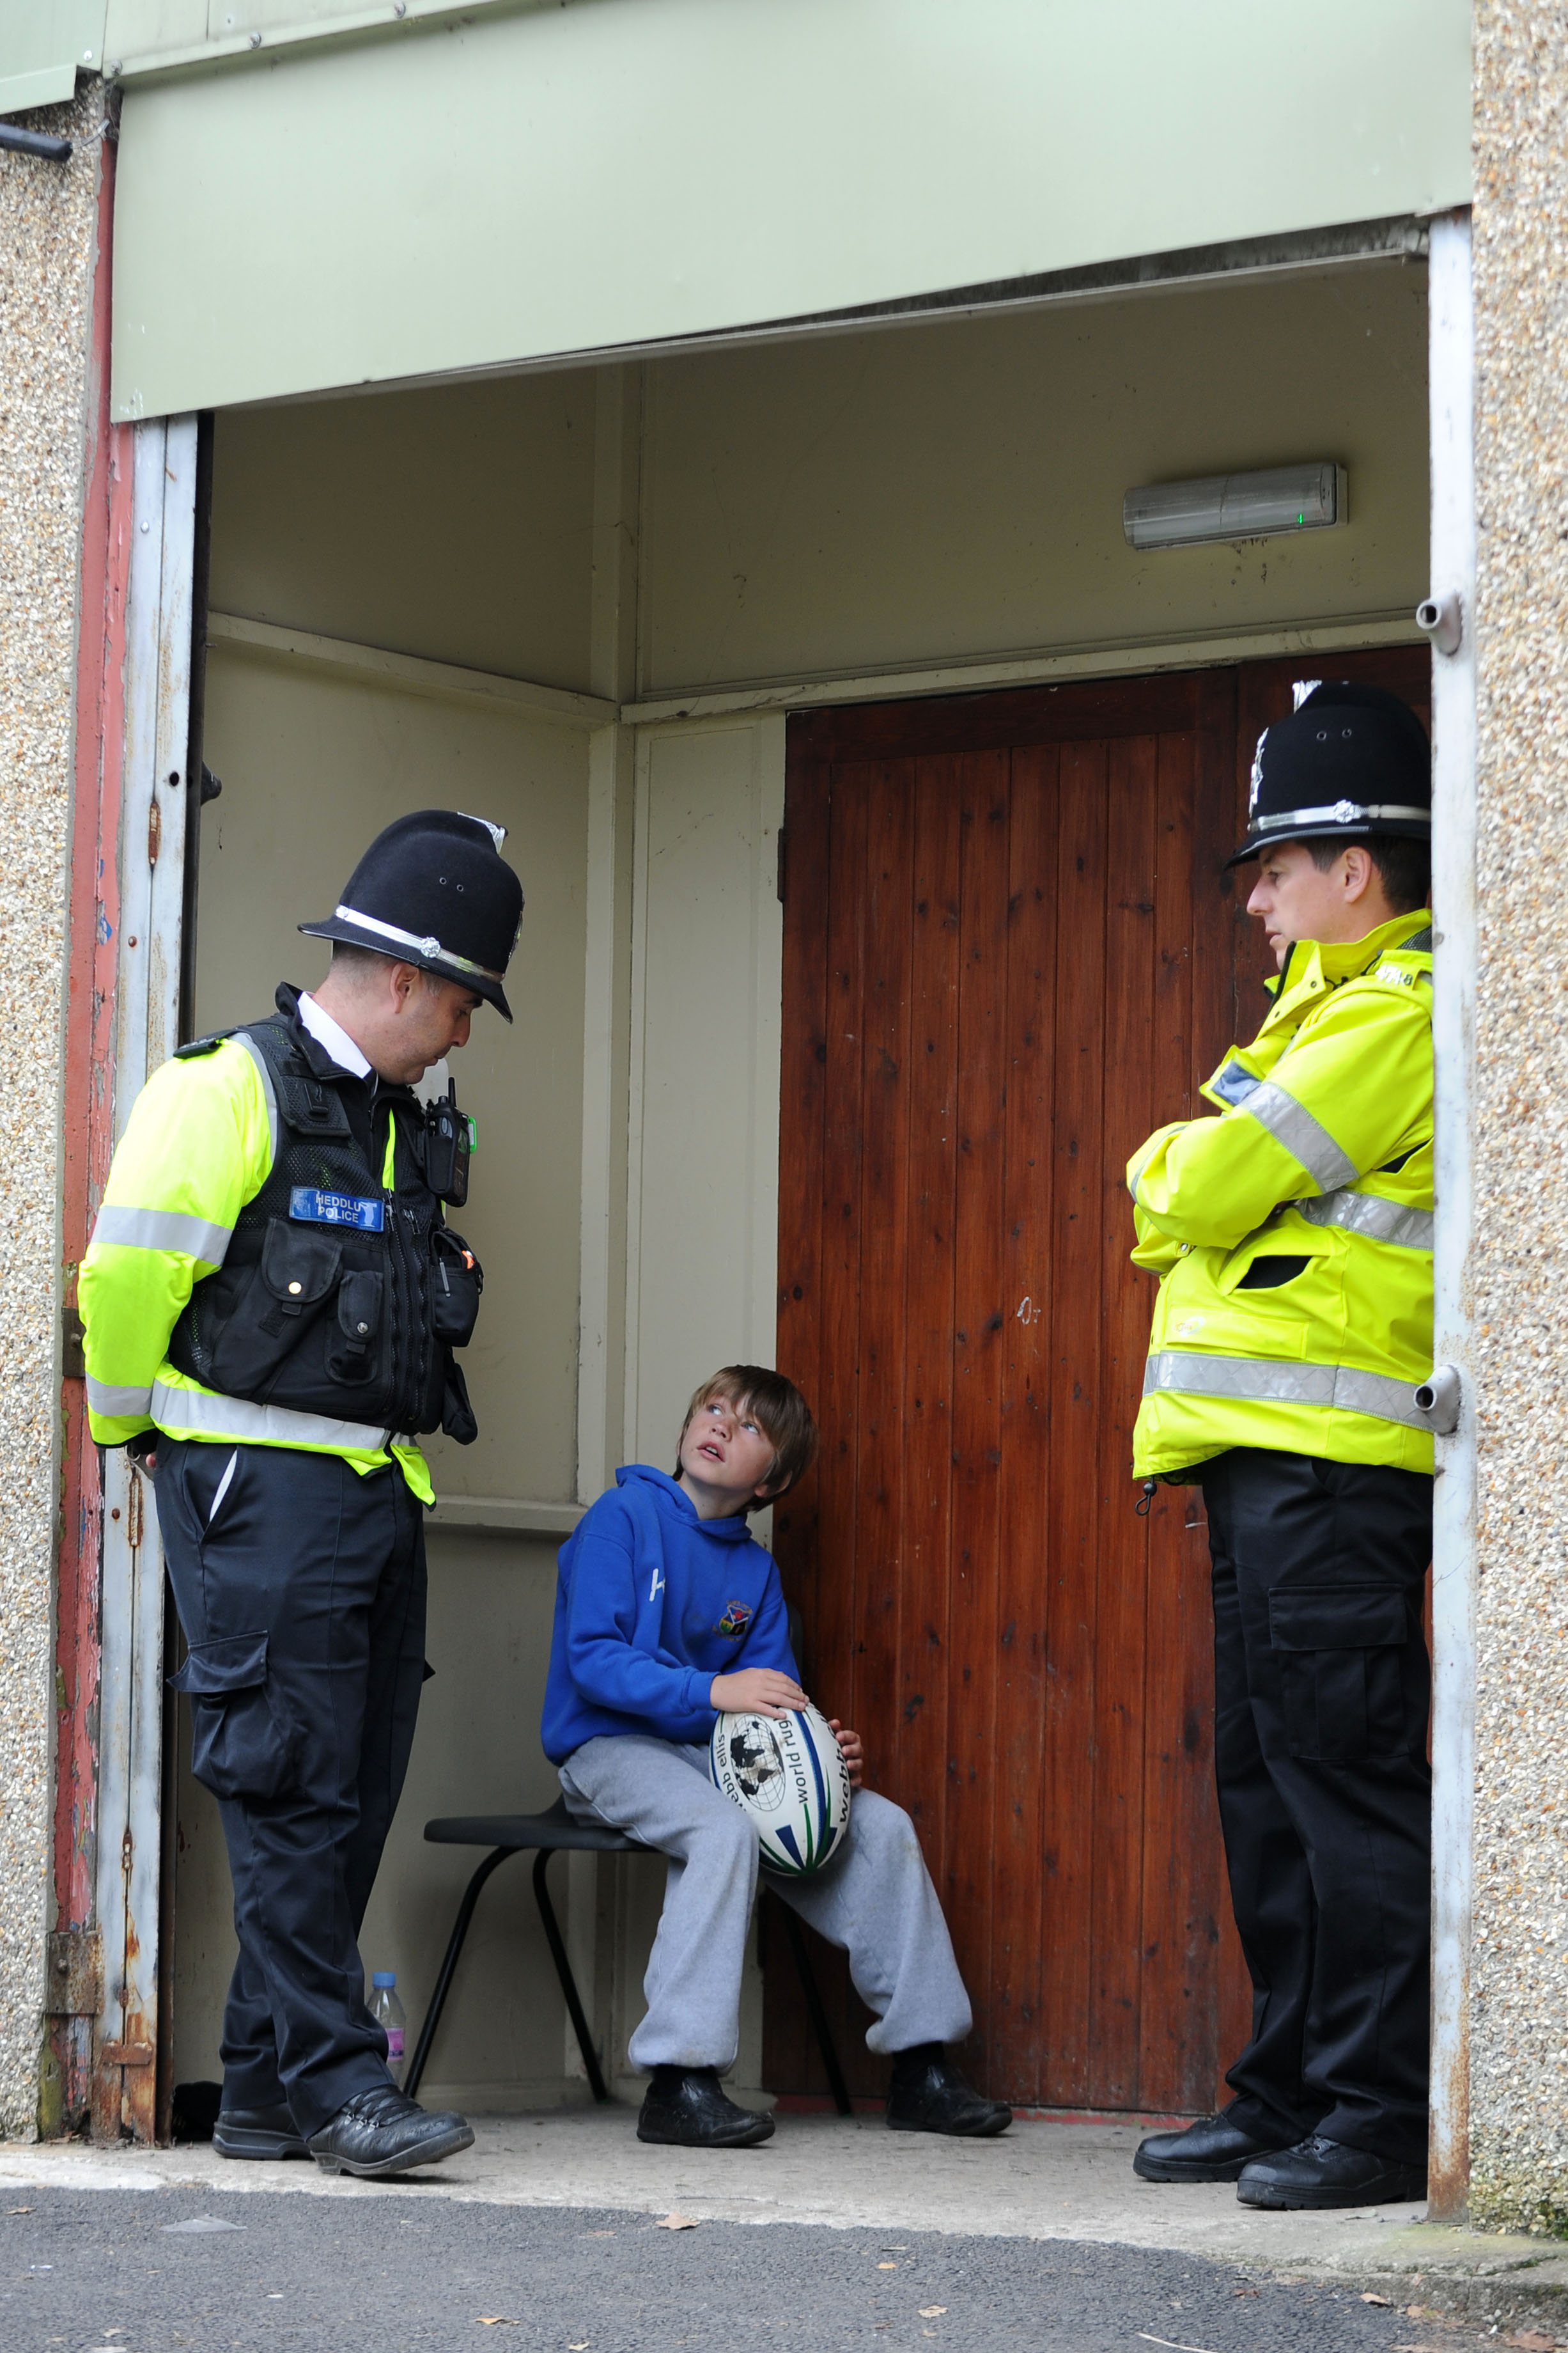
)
(650, 1605)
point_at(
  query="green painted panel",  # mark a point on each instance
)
(42, 44)
(159, 28)
(619, 172)
(151, 35)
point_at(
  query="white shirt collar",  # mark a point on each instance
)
(334, 1036)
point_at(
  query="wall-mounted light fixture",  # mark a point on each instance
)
(1236, 506)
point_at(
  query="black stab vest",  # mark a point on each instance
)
(324, 1315)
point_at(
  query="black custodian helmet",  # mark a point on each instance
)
(1349, 762)
(433, 890)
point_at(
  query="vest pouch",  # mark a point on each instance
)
(456, 1280)
(354, 1334)
(457, 1422)
(295, 1275)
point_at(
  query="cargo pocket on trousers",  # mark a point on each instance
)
(1340, 1649)
(239, 1747)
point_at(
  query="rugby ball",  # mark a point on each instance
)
(788, 1773)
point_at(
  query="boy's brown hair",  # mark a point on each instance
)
(781, 1413)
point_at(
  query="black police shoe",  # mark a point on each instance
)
(380, 2132)
(265, 2134)
(684, 2107)
(1319, 2172)
(929, 2095)
(1214, 2149)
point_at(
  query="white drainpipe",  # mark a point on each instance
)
(1450, 618)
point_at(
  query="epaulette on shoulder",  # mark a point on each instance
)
(207, 1045)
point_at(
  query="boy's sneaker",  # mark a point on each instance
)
(684, 2107)
(929, 2095)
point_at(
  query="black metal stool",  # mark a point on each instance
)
(541, 1835)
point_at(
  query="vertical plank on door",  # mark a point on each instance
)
(919, 1775)
(1179, 1991)
(833, 1628)
(1025, 1540)
(1127, 1060)
(1075, 1311)
(966, 1882)
(878, 1500)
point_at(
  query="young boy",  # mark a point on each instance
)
(667, 1612)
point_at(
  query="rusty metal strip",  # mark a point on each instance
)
(88, 1139)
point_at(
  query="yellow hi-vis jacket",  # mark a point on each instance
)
(199, 1143)
(1323, 1152)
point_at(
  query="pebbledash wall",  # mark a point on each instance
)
(1519, 2064)
(47, 250)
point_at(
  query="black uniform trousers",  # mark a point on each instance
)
(1322, 1691)
(300, 1586)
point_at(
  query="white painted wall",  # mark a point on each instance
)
(707, 944)
(313, 761)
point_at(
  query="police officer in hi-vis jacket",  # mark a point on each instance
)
(1292, 1237)
(272, 1296)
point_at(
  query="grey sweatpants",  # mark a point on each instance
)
(875, 1899)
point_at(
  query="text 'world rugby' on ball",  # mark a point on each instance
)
(788, 1774)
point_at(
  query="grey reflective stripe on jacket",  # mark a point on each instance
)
(259, 1425)
(162, 1229)
(1306, 1138)
(1272, 1383)
(116, 1402)
(1369, 1213)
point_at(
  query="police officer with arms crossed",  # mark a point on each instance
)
(272, 1298)
(1292, 1236)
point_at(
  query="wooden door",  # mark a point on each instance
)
(1010, 952)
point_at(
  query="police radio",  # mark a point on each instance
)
(449, 1140)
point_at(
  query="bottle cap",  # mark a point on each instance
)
(384, 1976)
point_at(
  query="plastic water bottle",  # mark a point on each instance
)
(387, 2012)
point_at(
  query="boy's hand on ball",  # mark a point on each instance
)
(850, 1748)
(755, 1691)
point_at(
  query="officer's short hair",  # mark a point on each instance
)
(779, 1412)
(348, 956)
(1404, 866)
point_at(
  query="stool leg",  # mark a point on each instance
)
(444, 1982)
(817, 2014)
(563, 1971)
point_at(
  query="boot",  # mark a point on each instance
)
(267, 2134)
(1214, 2149)
(684, 2107)
(379, 2132)
(1319, 2172)
(929, 2095)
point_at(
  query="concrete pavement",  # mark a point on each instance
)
(1041, 2181)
